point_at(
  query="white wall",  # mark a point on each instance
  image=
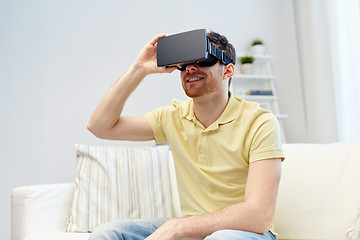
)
(58, 58)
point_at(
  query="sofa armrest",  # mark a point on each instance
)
(40, 208)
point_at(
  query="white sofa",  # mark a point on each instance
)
(319, 197)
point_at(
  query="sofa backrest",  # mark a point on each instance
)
(319, 193)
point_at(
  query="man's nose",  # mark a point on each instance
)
(192, 67)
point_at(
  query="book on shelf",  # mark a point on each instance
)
(260, 92)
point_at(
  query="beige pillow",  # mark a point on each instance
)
(121, 183)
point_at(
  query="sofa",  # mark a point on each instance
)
(319, 198)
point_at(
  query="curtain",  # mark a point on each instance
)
(344, 30)
(329, 51)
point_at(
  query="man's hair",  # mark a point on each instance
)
(222, 43)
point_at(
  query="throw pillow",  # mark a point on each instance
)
(121, 183)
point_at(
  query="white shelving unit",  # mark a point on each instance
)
(261, 79)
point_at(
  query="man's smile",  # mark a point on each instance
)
(194, 79)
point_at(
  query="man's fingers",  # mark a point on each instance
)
(169, 69)
(155, 40)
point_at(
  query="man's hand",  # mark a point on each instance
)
(147, 58)
(106, 122)
(167, 231)
(180, 228)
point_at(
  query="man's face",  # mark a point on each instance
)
(199, 81)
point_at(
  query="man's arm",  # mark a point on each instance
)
(106, 121)
(255, 214)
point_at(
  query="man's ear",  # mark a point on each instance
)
(229, 71)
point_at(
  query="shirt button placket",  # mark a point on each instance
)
(203, 148)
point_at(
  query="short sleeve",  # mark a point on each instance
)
(266, 142)
(155, 118)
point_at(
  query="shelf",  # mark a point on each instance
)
(258, 97)
(281, 116)
(250, 76)
(257, 57)
(260, 78)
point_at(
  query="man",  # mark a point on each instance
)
(227, 152)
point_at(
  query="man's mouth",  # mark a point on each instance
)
(194, 79)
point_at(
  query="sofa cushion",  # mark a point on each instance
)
(122, 183)
(319, 191)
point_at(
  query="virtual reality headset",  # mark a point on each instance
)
(192, 47)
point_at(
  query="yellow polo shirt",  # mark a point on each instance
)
(212, 163)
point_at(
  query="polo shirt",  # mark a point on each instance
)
(212, 163)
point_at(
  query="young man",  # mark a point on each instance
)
(227, 152)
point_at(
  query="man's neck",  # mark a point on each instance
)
(210, 107)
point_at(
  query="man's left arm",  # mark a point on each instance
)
(255, 214)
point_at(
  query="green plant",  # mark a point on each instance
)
(256, 42)
(247, 59)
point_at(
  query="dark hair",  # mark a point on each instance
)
(222, 43)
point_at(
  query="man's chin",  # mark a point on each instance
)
(193, 94)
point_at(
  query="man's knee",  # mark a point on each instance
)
(113, 230)
(126, 229)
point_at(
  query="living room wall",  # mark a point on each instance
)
(58, 58)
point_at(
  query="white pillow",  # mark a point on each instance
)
(121, 183)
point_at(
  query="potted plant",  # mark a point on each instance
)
(257, 47)
(246, 66)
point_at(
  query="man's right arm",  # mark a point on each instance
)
(106, 121)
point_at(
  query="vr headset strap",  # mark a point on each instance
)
(219, 54)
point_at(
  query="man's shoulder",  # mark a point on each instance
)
(247, 106)
(251, 110)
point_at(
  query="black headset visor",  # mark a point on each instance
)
(192, 47)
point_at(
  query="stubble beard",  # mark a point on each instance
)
(202, 90)
(195, 91)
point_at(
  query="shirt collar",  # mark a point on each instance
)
(230, 113)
